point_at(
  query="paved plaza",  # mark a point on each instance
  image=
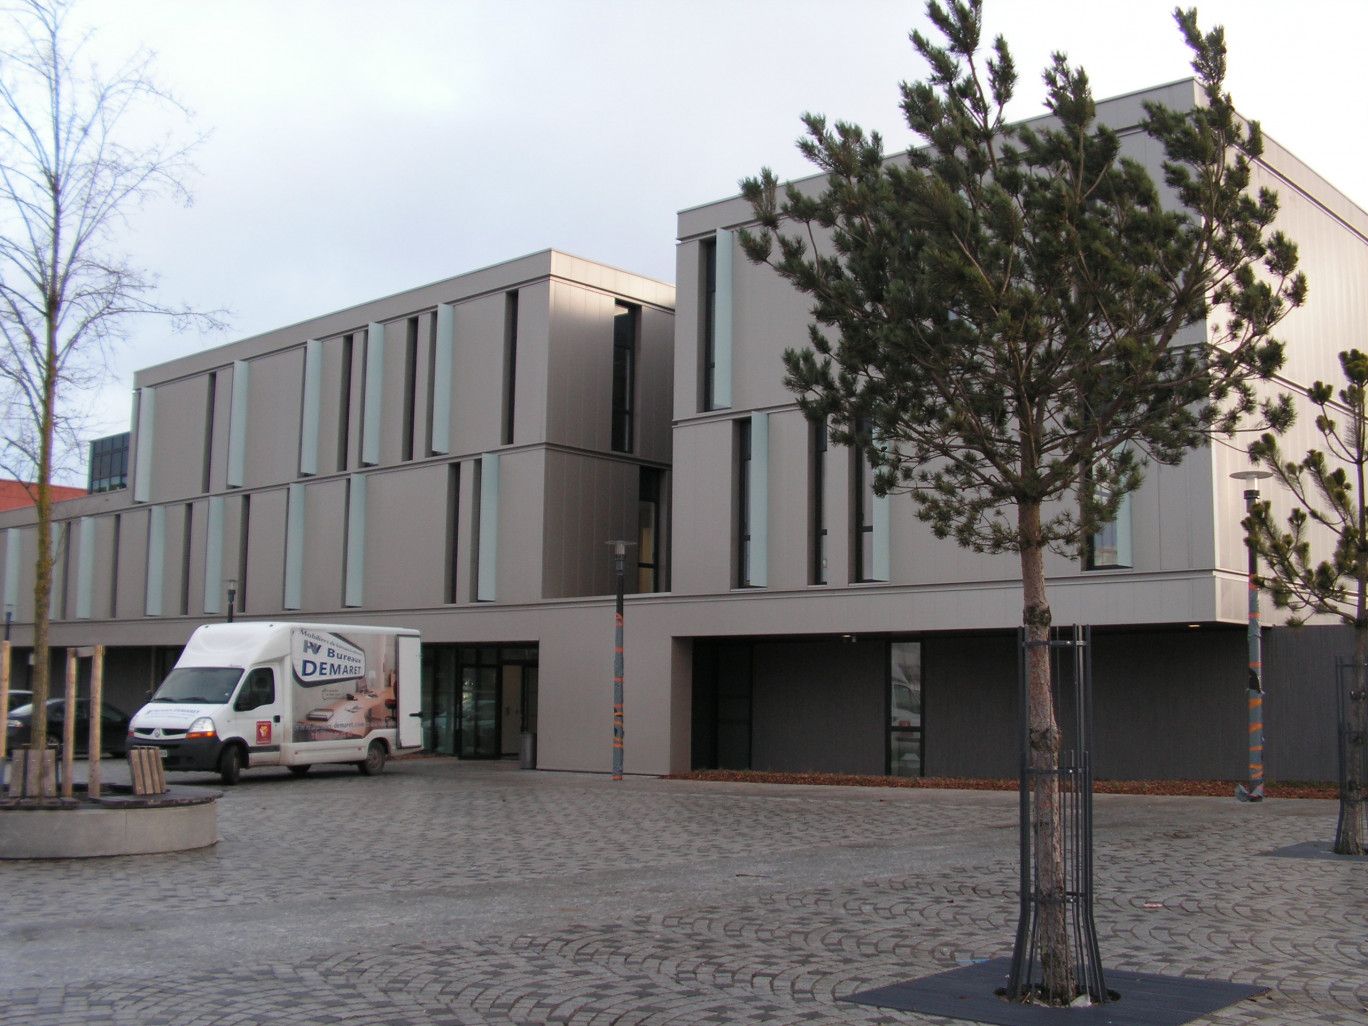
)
(460, 893)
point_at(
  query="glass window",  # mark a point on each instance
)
(624, 375)
(649, 528)
(743, 502)
(818, 573)
(905, 709)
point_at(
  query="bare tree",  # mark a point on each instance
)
(73, 170)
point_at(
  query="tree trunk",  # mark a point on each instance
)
(42, 586)
(1349, 837)
(1047, 843)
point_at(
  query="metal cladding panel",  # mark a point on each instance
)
(213, 556)
(311, 407)
(237, 424)
(142, 457)
(487, 573)
(374, 401)
(444, 349)
(156, 560)
(272, 418)
(325, 544)
(356, 541)
(407, 515)
(294, 547)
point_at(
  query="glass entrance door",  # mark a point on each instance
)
(479, 712)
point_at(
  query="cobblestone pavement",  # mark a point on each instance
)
(449, 893)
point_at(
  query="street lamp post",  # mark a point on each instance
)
(1255, 791)
(619, 565)
(232, 596)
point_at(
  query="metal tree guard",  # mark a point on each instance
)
(1070, 652)
(1353, 757)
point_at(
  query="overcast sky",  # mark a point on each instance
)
(360, 148)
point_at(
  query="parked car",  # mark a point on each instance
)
(113, 728)
(18, 698)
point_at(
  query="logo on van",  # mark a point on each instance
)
(324, 658)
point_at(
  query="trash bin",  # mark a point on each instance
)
(527, 751)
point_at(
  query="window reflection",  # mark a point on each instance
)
(905, 709)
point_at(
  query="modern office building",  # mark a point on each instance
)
(455, 459)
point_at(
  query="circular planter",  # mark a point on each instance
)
(116, 823)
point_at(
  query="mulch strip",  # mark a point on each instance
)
(1176, 788)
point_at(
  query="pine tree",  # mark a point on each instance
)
(1329, 485)
(1020, 319)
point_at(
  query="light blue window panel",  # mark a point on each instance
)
(356, 541)
(294, 547)
(759, 501)
(1111, 546)
(375, 385)
(722, 322)
(142, 459)
(313, 387)
(237, 424)
(443, 360)
(487, 573)
(880, 554)
(213, 556)
(156, 560)
(85, 566)
(14, 555)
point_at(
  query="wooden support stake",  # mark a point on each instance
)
(96, 721)
(69, 723)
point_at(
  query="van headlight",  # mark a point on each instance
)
(202, 727)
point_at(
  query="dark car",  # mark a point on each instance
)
(113, 725)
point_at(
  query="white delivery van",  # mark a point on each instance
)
(286, 694)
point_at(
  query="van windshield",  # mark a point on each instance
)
(208, 685)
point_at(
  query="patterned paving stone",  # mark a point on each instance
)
(464, 895)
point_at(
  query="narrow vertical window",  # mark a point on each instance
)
(209, 399)
(871, 519)
(510, 364)
(453, 526)
(344, 405)
(708, 315)
(716, 355)
(624, 375)
(649, 531)
(817, 503)
(244, 535)
(743, 503)
(186, 544)
(410, 389)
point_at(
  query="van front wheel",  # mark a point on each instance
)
(230, 765)
(374, 761)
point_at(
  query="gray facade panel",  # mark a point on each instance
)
(405, 529)
(276, 392)
(819, 706)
